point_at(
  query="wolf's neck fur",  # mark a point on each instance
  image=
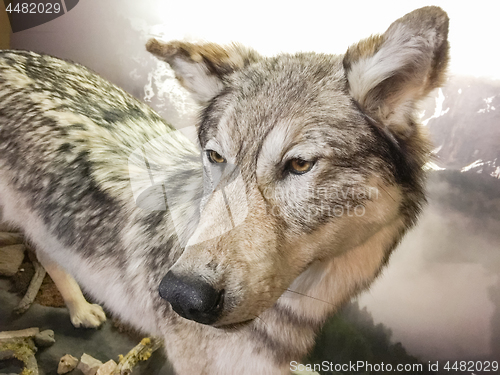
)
(326, 285)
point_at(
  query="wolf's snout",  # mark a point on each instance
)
(192, 299)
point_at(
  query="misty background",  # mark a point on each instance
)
(440, 295)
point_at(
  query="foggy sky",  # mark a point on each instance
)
(440, 291)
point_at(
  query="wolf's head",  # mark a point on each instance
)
(315, 155)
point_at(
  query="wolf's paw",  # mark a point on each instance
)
(87, 315)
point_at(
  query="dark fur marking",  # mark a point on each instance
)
(290, 317)
(207, 121)
(282, 351)
(395, 152)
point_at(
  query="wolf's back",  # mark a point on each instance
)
(66, 136)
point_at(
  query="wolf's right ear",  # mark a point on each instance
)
(201, 68)
(389, 74)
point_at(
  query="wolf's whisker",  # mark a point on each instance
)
(260, 318)
(314, 298)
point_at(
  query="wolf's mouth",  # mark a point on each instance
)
(234, 326)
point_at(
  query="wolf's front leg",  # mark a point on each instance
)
(82, 313)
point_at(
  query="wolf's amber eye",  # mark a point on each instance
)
(300, 166)
(215, 157)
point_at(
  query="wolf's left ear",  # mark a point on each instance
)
(201, 68)
(388, 74)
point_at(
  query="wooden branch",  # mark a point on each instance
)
(33, 288)
(10, 238)
(20, 334)
(140, 352)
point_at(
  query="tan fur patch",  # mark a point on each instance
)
(219, 60)
(327, 284)
(365, 48)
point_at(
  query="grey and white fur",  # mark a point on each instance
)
(319, 161)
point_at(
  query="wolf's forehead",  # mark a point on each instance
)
(291, 93)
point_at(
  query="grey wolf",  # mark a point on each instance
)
(318, 169)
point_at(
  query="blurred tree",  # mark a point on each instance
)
(351, 336)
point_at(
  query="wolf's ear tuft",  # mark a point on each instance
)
(389, 74)
(201, 68)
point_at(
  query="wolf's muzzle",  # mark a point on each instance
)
(191, 298)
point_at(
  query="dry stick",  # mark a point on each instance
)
(140, 352)
(19, 334)
(10, 238)
(33, 288)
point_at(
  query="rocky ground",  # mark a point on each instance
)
(48, 312)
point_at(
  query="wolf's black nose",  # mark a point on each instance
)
(192, 298)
